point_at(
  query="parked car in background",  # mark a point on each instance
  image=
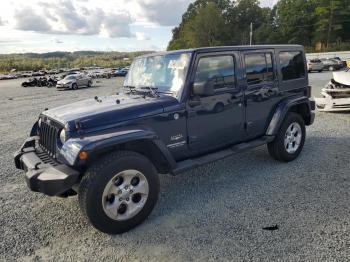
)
(74, 82)
(121, 72)
(26, 74)
(335, 96)
(340, 61)
(38, 73)
(331, 64)
(53, 72)
(8, 76)
(100, 73)
(314, 65)
(3, 77)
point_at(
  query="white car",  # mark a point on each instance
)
(336, 94)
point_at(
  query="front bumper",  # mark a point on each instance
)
(329, 104)
(42, 173)
(63, 86)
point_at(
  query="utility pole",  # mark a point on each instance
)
(251, 33)
(330, 24)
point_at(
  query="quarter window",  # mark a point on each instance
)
(220, 69)
(292, 65)
(259, 68)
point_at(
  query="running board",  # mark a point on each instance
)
(199, 161)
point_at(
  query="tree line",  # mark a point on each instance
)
(319, 25)
(55, 60)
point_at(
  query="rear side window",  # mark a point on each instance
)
(218, 68)
(259, 68)
(292, 65)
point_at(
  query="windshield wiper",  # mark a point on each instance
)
(131, 88)
(152, 90)
(144, 90)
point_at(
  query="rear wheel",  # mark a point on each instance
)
(89, 84)
(119, 191)
(289, 140)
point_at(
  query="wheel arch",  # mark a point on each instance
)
(302, 106)
(141, 141)
(151, 149)
(302, 109)
(154, 150)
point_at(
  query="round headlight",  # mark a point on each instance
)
(63, 136)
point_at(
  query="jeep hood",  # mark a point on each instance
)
(108, 111)
(342, 77)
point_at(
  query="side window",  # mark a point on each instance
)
(259, 68)
(292, 65)
(220, 69)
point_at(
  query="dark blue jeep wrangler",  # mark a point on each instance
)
(177, 110)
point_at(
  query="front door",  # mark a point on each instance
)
(217, 120)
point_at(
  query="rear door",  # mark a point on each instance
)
(79, 83)
(261, 93)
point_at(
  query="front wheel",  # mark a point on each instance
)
(119, 191)
(289, 140)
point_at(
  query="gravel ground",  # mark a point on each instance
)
(215, 212)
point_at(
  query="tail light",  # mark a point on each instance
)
(307, 91)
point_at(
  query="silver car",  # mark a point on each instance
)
(74, 82)
(315, 65)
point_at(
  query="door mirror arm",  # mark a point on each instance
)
(194, 101)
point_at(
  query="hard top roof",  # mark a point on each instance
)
(228, 48)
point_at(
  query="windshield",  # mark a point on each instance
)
(70, 77)
(166, 73)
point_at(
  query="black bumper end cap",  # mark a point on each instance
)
(52, 181)
(27, 146)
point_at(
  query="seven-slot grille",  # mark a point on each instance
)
(48, 138)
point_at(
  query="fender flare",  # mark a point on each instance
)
(34, 130)
(96, 144)
(283, 108)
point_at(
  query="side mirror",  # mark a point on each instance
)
(205, 88)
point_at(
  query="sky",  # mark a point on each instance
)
(102, 25)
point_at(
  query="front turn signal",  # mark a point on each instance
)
(83, 155)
